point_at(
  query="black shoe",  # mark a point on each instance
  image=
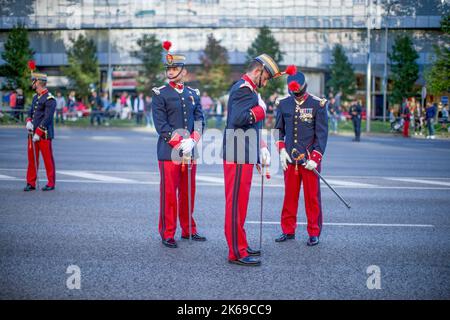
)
(47, 188)
(312, 241)
(195, 237)
(29, 187)
(284, 236)
(247, 261)
(253, 253)
(171, 243)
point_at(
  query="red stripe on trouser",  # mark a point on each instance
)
(311, 192)
(174, 198)
(238, 182)
(45, 148)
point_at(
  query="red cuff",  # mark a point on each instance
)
(40, 132)
(29, 120)
(175, 141)
(258, 113)
(196, 136)
(280, 145)
(316, 156)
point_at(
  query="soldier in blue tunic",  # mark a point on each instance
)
(179, 121)
(40, 133)
(302, 126)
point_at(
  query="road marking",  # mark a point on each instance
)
(106, 138)
(349, 184)
(210, 179)
(94, 176)
(438, 183)
(3, 177)
(347, 224)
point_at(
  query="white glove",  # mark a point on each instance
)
(310, 164)
(262, 103)
(30, 126)
(264, 156)
(187, 145)
(36, 137)
(284, 159)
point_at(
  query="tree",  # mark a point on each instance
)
(438, 75)
(342, 73)
(16, 55)
(404, 69)
(150, 53)
(265, 42)
(83, 69)
(215, 74)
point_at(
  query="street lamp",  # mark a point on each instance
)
(385, 73)
(369, 69)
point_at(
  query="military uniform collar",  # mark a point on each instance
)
(177, 86)
(43, 92)
(304, 98)
(246, 78)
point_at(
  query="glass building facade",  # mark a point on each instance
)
(306, 29)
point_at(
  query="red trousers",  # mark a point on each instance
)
(174, 198)
(238, 181)
(45, 148)
(406, 129)
(313, 205)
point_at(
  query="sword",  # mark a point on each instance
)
(30, 135)
(267, 174)
(301, 157)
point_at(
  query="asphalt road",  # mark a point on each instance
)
(103, 218)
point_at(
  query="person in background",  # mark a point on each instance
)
(444, 117)
(355, 112)
(60, 104)
(430, 115)
(392, 119)
(95, 104)
(406, 115)
(12, 103)
(148, 112)
(139, 107)
(20, 104)
(71, 104)
(333, 115)
(207, 104)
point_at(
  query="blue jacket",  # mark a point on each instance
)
(302, 126)
(245, 117)
(41, 114)
(431, 112)
(174, 114)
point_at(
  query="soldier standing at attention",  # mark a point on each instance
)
(179, 121)
(40, 133)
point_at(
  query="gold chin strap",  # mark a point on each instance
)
(297, 156)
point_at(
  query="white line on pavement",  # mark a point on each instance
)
(2, 176)
(438, 183)
(94, 176)
(348, 183)
(357, 224)
(209, 179)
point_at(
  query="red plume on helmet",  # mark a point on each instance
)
(167, 45)
(294, 86)
(32, 65)
(291, 70)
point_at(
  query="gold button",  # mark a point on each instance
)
(295, 141)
